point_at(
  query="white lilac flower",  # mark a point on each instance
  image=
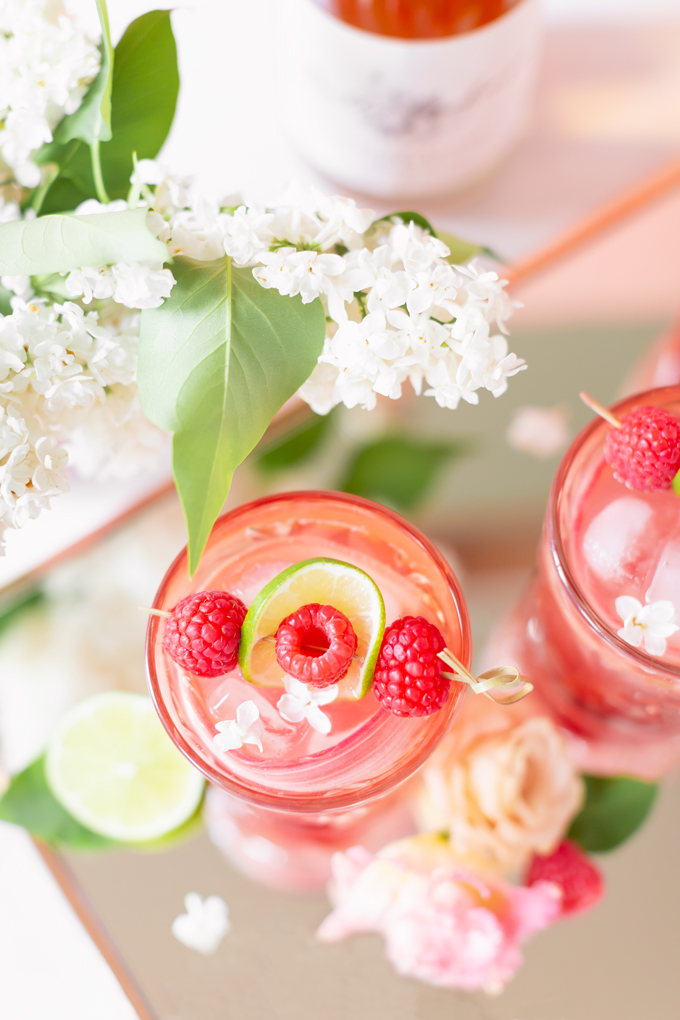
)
(301, 702)
(246, 728)
(135, 285)
(195, 234)
(148, 171)
(307, 273)
(141, 286)
(19, 285)
(246, 233)
(436, 287)
(80, 391)
(114, 359)
(29, 475)
(343, 222)
(540, 431)
(415, 247)
(92, 207)
(441, 380)
(360, 346)
(320, 390)
(487, 290)
(48, 477)
(46, 65)
(115, 439)
(90, 283)
(204, 925)
(9, 211)
(389, 291)
(649, 625)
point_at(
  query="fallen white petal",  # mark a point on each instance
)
(204, 925)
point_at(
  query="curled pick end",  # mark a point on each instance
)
(503, 685)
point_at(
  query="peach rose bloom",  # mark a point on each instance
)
(503, 788)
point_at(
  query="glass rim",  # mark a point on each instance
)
(299, 802)
(658, 396)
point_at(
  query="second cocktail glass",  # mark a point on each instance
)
(602, 541)
(280, 813)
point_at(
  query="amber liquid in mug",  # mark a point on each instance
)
(418, 19)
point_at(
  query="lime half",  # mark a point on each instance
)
(330, 583)
(114, 768)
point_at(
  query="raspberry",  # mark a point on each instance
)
(408, 677)
(203, 632)
(568, 867)
(644, 452)
(316, 645)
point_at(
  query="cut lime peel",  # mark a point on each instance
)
(278, 599)
(144, 745)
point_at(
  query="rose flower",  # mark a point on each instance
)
(503, 795)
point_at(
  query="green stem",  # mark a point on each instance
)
(97, 173)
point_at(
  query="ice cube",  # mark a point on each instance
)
(666, 581)
(614, 540)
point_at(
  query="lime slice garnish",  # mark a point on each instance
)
(114, 768)
(330, 583)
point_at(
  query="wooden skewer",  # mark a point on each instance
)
(154, 612)
(598, 408)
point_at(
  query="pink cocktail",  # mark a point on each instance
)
(279, 813)
(602, 541)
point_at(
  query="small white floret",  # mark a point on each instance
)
(649, 625)
(246, 728)
(204, 925)
(302, 702)
(540, 431)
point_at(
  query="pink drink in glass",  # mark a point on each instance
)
(279, 814)
(602, 540)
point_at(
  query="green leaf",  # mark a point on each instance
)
(91, 122)
(12, 610)
(294, 446)
(614, 809)
(461, 251)
(399, 470)
(413, 217)
(52, 244)
(5, 298)
(29, 802)
(65, 195)
(676, 484)
(216, 362)
(145, 90)
(145, 87)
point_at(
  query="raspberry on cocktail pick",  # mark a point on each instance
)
(409, 679)
(315, 644)
(203, 631)
(642, 449)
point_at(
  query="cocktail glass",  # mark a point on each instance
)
(280, 814)
(601, 540)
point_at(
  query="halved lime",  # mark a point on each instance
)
(113, 767)
(330, 583)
